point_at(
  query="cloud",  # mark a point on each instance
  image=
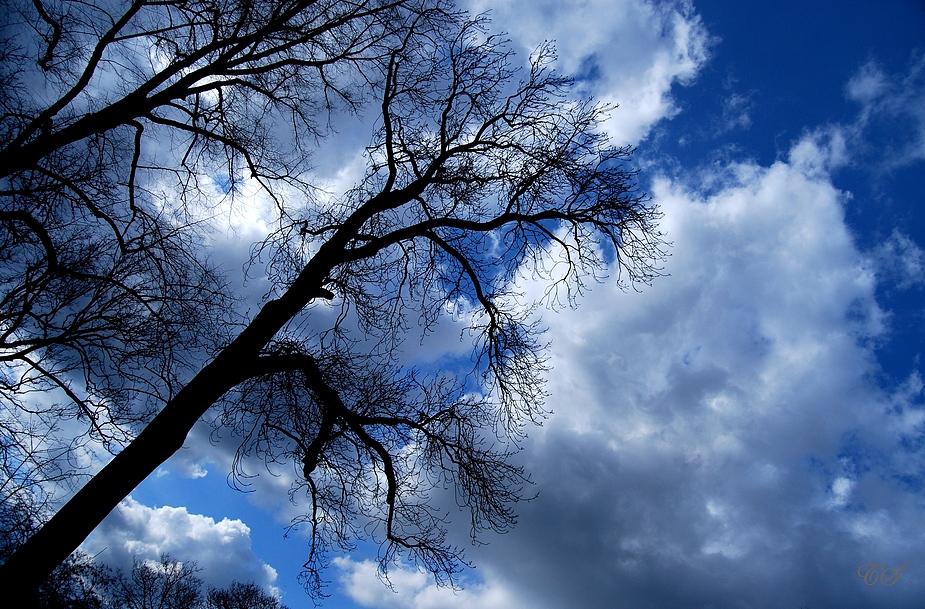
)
(631, 56)
(891, 104)
(221, 549)
(737, 109)
(900, 261)
(718, 439)
(867, 85)
(412, 589)
(823, 149)
(718, 434)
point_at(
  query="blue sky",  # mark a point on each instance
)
(748, 431)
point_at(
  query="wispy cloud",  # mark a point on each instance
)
(900, 262)
(891, 104)
(737, 109)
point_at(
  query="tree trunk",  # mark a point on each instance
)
(34, 561)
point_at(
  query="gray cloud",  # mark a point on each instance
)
(717, 438)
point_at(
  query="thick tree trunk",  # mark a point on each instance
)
(34, 561)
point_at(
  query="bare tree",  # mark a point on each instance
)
(476, 174)
(111, 113)
(173, 584)
(77, 583)
(82, 583)
(167, 584)
(105, 300)
(242, 596)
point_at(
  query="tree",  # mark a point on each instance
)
(105, 303)
(476, 174)
(241, 596)
(77, 583)
(82, 583)
(168, 584)
(172, 584)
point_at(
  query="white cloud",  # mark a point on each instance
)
(737, 110)
(900, 261)
(841, 492)
(411, 589)
(717, 435)
(892, 103)
(867, 85)
(222, 549)
(822, 150)
(630, 53)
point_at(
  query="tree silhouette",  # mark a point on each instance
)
(241, 596)
(82, 583)
(166, 584)
(477, 173)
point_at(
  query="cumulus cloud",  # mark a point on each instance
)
(222, 549)
(631, 56)
(720, 426)
(717, 438)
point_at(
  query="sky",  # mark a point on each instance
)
(746, 432)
